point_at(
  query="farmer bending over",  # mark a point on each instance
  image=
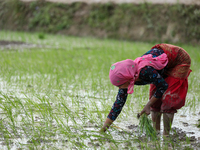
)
(166, 68)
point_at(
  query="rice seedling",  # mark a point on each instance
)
(145, 126)
(57, 94)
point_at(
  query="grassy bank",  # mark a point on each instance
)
(57, 94)
(142, 22)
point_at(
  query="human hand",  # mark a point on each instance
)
(102, 130)
(106, 125)
(146, 110)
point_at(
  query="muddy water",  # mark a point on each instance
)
(13, 45)
(184, 125)
(187, 121)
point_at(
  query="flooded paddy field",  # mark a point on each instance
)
(55, 93)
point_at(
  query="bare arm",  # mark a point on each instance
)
(116, 109)
(152, 76)
(146, 109)
(106, 125)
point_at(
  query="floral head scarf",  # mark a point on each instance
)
(128, 70)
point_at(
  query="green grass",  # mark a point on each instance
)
(58, 94)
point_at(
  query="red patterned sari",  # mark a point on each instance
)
(178, 70)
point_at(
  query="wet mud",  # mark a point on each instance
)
(4, 43)
(177, 139)
(16, 45)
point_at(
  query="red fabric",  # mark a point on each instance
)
(176, 55)
(174, 96)
(178, 70)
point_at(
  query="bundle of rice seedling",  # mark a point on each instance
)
(145, 126)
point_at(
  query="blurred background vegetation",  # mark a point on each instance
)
(177, 23)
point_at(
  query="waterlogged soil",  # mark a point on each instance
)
(184, 135)
(14, 45)
(4, 43)
(178, 137)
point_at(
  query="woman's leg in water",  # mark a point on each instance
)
(156, 117)
(167, 122)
